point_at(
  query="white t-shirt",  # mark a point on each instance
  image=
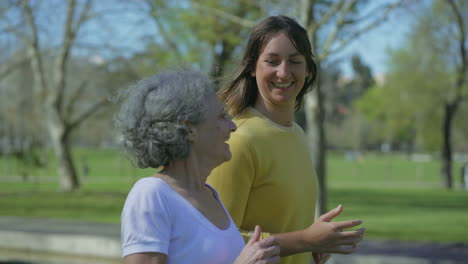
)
(155, 218)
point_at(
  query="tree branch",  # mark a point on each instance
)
(225, 15)
(72, 125)
(37, 64)
(329, 14)
(339, 24)
(171, 44)
(73, 99)
(11, 28)
(377, 9)
(83, 16)
(13, 67)
(60, 71)
(69, 36)
(462, 70)
(377, 22)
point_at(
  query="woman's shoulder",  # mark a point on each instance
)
(150, 186)
(249, 123)
(150, 182)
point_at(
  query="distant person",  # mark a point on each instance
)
(270, 179)
(174, 123)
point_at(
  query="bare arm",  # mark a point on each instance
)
(146, 258)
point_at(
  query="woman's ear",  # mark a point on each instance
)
(192, 135)
(253, 72)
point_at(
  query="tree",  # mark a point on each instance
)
(332, 26)
(20, 132)
(430, 69)
(345, 126)
(458, 90)
(51, 33)
(341, 93)
(51, 91)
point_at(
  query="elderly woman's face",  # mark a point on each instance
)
(212, 133)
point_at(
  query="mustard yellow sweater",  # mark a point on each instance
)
(270, 180)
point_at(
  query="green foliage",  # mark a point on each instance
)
(195, 33)
(409, 105)
(346, 128)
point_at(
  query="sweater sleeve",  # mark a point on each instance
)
(247, 233)
(234, 180)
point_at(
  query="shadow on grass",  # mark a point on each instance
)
(15, 262)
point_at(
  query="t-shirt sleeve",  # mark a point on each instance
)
(146, 224)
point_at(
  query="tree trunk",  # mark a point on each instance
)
(451, 106)
(219, 61)
(316, 135)
(446, 170)
(59, 136)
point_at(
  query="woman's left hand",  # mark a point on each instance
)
(265, 251)
(321, 258)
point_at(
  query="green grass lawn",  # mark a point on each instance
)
(395, 197)
(406, 214)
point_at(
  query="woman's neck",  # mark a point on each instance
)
(185, 174)
(283, 116)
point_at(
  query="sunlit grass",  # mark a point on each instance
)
(407, 214)
(396, 197)
(88, 206)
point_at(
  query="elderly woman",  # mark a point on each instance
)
(174, 123)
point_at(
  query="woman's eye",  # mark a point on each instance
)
(272, 62)
(295, 62)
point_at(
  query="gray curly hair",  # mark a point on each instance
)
(153, 116)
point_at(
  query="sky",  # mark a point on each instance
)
(373, 46)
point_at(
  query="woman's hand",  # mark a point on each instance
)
(320, 258)
(265, 251)
(324, 236)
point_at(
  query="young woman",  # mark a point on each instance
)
(270, 179)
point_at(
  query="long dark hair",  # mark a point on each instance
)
(242, 91)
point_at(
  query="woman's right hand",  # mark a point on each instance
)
(324, 236)
(265, 251)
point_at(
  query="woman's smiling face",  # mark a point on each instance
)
(212, 133)
(280, 72)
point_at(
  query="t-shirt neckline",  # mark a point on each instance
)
(198, 213)
(287, 129)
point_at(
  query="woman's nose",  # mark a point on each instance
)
(283, 70)
(232, 126)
